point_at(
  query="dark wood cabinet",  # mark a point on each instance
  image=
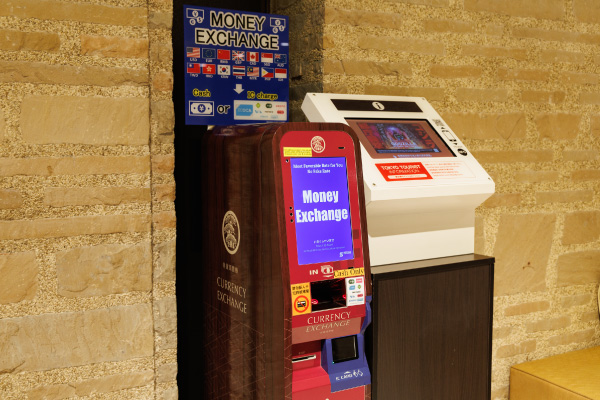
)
(431, 334)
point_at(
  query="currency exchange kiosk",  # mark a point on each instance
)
(432, 297)
(286, 291)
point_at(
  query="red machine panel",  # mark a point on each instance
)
(325, 253)
(324, 233)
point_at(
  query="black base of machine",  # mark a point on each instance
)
(431, 336)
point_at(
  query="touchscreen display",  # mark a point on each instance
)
(400, 138)
(321, 210)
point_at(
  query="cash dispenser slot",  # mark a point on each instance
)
(327, 295)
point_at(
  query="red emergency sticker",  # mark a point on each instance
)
(403, 171)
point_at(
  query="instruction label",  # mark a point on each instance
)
(425, 170)
(403, 171)
(301, 299)
(345, 273)
(297, 152)
(236, 66)
(355, 291)
(449, 169)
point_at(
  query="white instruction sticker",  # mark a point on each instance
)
(448, 170)
(355, 291)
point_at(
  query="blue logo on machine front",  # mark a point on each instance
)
(350, 374)
(244, 110)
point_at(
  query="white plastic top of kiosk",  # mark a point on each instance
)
(420, 179)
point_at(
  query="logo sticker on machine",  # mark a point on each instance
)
(355, 291)
(231, 232)
(403, 171)
(317, 144)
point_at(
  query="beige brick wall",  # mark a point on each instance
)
(87, 223)
(306, 48)
(519, 83)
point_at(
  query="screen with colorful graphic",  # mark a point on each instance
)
(400, 138)
(236, 66)
(321, 210)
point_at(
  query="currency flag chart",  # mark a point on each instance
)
(236, 66)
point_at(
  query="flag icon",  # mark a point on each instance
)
(193, 68)
(193, 52)
(223, 54)
(209, 53)
(281, 58)
(266, 57)
(239, 70)
(239, 55)
(208, 69)
(280, 73)
(266, 72)
(252, 71)
(224, 70)
(252, 56)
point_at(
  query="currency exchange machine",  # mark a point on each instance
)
(431, 332)
(286, 286)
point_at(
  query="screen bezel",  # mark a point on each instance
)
(446, 151)
(338, 144)
(348, 226)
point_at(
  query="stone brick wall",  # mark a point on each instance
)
(519, 82)
(306, 48)
(87, 222)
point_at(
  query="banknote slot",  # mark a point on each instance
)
(304, 358)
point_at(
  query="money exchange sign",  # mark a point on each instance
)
(236, 66)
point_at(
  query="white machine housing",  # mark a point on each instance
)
(418, 206)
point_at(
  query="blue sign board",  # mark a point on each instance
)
(236, 66)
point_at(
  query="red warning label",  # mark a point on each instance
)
(403, 171)
(301, 304)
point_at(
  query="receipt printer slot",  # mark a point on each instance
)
(344, 349)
